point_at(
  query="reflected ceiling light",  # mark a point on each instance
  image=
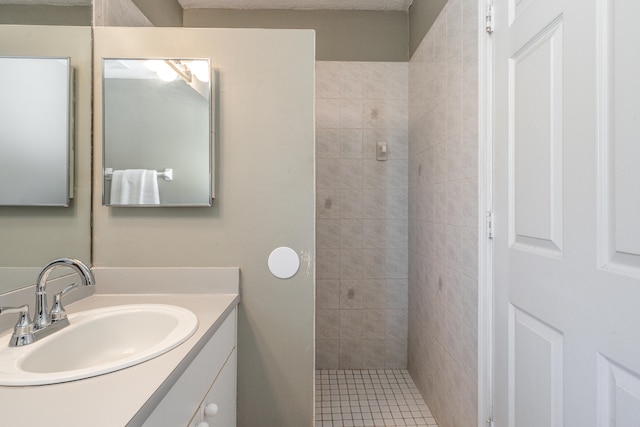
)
(154, 64)
(167, 74)
(169, 69)
(200, 69)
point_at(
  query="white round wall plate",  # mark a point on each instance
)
(284, 262)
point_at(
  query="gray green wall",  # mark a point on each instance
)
(162, 13)
(45, 15)
(340, 35)
(422, 15)
(264, 143)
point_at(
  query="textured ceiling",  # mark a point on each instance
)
(299, 4)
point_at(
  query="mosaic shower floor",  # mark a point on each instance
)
(369, 397)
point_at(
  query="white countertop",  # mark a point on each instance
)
(125, 397)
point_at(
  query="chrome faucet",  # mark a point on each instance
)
(46, 322)
(41, 319)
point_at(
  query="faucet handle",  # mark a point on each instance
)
(23, 330)
(57, 311)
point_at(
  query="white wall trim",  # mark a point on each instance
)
(485, 197)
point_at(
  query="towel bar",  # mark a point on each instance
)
(167, 174)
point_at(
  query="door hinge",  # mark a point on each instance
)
(489, 224)
(489, 18)
(489, 422)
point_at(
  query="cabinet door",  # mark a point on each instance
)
(181, 402)
(219, 406)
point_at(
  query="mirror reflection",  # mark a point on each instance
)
(31, 236)
(35, 106)
(157, 127)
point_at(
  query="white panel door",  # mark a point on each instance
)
(566, 186)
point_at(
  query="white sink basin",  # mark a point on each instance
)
(97, 342)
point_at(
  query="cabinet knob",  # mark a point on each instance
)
(211, 410)
(203, 424)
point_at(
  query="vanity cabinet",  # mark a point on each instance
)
(218, 409)
(206, 391)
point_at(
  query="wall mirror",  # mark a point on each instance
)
(35, 133)
(157, 132)
(31, 236)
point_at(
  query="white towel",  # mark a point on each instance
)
(134, 187)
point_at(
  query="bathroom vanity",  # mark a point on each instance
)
(191, 385)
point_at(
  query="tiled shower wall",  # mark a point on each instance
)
(362, 222)
(443, 215)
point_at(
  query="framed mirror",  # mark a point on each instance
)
(35, 132)
(157, 132)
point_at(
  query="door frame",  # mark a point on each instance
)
(485, 219)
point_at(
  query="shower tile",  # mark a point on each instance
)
(374, 203)
(327, 354)
(470, 93)
(327, 324)
(470, 301)
(350, 80)
(351, 263)
(350, 293)
(440, 162)
(469, 153)
(350, 113)
(374, 174)
(469, 203)
(396, 353)
(396, 263)
(374, 324)
(350, 233)
(374, 263)
(455, 200)
(385, 113)
(363, 104)
(397, 323)
(328, 203)
(373, 293)
(469, 255)
(373, 81)
(454, 157)
(396, 80)
(351, 324)
(370, 137)
(327, 146)
(397, 173)
(396, 293)
(327, 294)
(328, 173)
(369, 397)
(349, 143)
(327, 79)
(374, 232)
(349, 173)
(327, 113)
(440, 199)
(327, 233)
(454, 101)
(454, 30)
(373, 357)
(454, 247)
(470, 25)
(350, 354)
(350, 203)
(327, 263)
